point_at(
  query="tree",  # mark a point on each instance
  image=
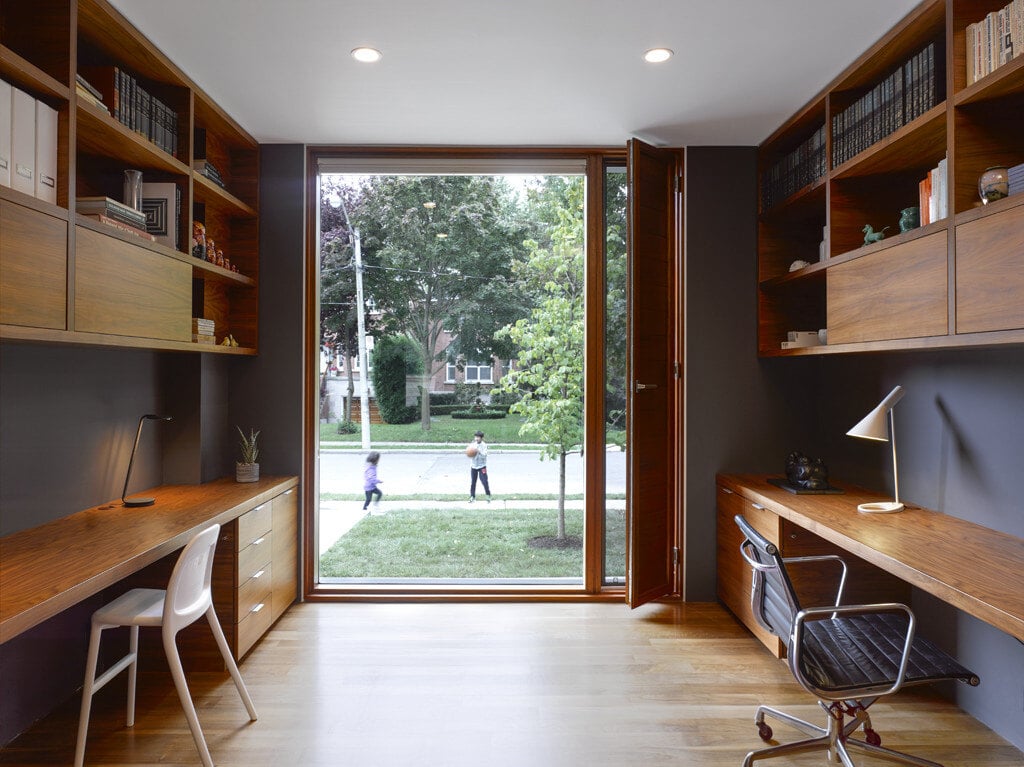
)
(548, 376)
(394, 357)
(438, 253)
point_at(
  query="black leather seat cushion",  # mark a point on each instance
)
(847, 653)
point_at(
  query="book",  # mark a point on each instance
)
(112, 209)
(88, 98)
(87, 86)
(121, 226)
(161, 204)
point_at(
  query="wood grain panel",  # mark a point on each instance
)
(256, 590)
(254, 524)
(253, 626)
(990, 272)
(122, 289)
(286, 553)
(33, 267)
(255, 556)
(935, 552)
(897, 292)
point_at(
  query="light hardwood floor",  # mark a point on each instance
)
(517, 685)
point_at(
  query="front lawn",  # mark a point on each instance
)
(443, 429)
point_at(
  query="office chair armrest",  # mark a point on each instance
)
(824, 558)
(822, 613)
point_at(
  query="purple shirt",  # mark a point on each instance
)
(370, 480)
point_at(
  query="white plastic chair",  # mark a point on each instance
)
(186, 599)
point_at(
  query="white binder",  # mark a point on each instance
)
(46, 153)
(6, 94)
(23, 142)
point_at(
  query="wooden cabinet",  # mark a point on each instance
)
(151, 117)
(256, 570)
(856, 155)
(815, 583)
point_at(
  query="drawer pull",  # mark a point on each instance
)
(258, 574)
(726, 490)
(259, 540)
(257, 608)
(289, 492)
(257, 508)
(757, 506)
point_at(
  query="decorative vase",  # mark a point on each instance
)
(994, 184)
(247, 472)
(910, 218)
(133, 189)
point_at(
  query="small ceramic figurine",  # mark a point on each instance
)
(199, 239)
(807, 473)
(870, 235)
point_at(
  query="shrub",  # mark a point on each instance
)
(394, 357)
(503, 397)
(347, 427)
(485, 414)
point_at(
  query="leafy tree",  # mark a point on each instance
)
(548, 375)
(394, 357)
(615, 302)
(438, 254)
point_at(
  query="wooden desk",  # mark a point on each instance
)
(973, 568)
(49, 568)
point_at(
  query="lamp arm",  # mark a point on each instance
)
(895, 472)
(131, 461)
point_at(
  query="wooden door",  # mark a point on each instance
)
(650, 329)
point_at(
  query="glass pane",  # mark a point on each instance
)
(615, 376)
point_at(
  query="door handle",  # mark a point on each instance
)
(641, 386)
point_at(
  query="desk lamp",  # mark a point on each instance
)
(138, 501)
(875, 426)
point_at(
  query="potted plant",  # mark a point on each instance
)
(248, 469)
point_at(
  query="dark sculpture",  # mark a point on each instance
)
(806, 473)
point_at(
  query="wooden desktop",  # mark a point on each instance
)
(972, 567)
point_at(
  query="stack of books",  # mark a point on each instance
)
(116, 214)
(933, 194)
(1016, 174)
(203, 331)
(88, 93)
(208, 169)
(994, 40)
(132, 105)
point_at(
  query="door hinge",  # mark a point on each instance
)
(678, 184)
(675, 369)
(675, 556)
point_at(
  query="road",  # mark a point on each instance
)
(427, 472)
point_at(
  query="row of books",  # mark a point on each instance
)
(906, 93)
(28, 144)
(801, 167)
(994, 40)
(131, 104)
(933, 194)
(1016, 177)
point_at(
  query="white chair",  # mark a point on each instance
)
(186, 599)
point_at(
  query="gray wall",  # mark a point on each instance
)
(958, 430)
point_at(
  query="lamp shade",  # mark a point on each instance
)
(875, 424)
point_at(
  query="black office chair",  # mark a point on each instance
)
(847, 656)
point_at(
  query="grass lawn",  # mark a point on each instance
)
(443, 428)
(458, 543)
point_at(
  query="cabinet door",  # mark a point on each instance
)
(892, 293)
(33, 268)
(285, 558)
(990, 273)
(125, 290)
(734, 574)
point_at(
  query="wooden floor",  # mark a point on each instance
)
(489, 685)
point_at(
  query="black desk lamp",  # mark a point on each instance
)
(139, 501)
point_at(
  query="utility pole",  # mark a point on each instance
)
(364, 368)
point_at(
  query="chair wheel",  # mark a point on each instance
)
(872, 737)
(765, 731)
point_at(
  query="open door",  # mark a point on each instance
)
(650, 329)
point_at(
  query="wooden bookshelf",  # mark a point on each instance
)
(954, 282)
(43, 46)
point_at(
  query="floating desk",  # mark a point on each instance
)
(46, 569)
(973, 568)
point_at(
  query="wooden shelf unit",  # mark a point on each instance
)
(952, 283)
(43, 45)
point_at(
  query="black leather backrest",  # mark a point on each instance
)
(772, 598)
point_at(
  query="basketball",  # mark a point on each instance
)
(471, 450)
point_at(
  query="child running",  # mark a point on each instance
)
(370, 480)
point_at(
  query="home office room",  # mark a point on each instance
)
(798, 338)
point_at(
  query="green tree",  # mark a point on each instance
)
(394, 357)
(548, 376)
(438, 253)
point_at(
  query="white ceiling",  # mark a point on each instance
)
(513, 72)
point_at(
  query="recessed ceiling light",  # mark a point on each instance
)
(366, 55)
(657, 55)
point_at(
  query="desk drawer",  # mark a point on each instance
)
(254, 524)
(255, 556)
(255, 590)
(252, 626)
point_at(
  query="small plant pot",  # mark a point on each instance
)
(247, 472)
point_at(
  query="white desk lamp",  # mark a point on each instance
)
(875, 426)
